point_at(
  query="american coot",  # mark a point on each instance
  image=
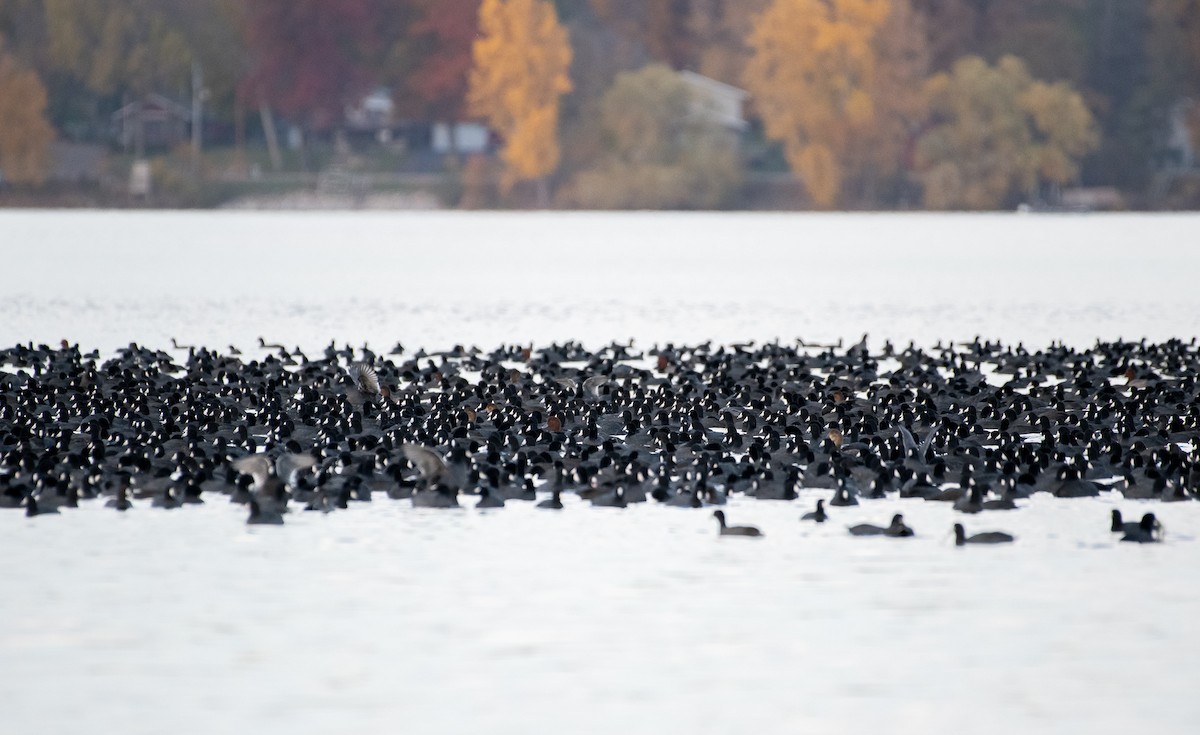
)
(554, 502)
(896, 529)
(1149, 530)
(734, 530)
(488, 500)
(121, 502)
(259, 516)
(366, 380)
(1120, 525)
(428, 462)
(271, 475)
(842, 496)
(32, 508)
(987, 537)
(438, 496)
(817, 515)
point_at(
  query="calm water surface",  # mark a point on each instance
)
(387, 619)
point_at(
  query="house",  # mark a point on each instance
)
(717, 102)
(373, 116)
(460, 137)
(164, 123)
(1179, 141)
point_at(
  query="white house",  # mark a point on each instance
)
(1179, 134)
(716, 101)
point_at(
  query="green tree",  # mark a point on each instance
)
(117, 45)
(998, 132)
(25, 135)
(661, 148)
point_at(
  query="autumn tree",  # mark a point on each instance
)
(1049, 36)
(1174, 43)
(878, 164)
(999, 132)
(954, 28)
(213, 30)
(117, 45)
(659, 25)
(312, 57)
(25, 135)
(521, 62)
(662, 147)
(23, 26)
(719, 29)
(811, 77)
(443, 32)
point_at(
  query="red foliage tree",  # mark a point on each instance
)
(443, 31)
(312, 57)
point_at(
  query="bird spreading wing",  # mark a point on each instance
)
(592, 385)
(365, 378)
(260, 466)
(428, 462)
(257, 466)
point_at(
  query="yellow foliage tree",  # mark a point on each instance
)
(998, 131)
(880, 155)
(521, 62)
(25, 135)
(811, 76)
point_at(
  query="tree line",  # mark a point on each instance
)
(969, 104)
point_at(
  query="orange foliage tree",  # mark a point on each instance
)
(25, 135)
(521, 63)
(811, 76)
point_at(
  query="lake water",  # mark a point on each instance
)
(385, 619)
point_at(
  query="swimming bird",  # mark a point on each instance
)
(843, 496)
(554, 502)
(488, 500)
(121, 502)
(817, 515)
(987, 537)
(896, 528)
(1119, 525)
(261, 516)
(613, 499)
(366, 383)
(167, 500)
(734, 530)
(1149, 530)
(437, 496)
(273, 475)
(429, 464)
(33, 508)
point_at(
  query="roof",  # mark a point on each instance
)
(720, 102)
(154, 105)
(709, 83)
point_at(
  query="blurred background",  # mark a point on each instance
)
(1058, 105)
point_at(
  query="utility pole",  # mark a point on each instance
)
(197, 115)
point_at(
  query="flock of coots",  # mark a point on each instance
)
(977, 426)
